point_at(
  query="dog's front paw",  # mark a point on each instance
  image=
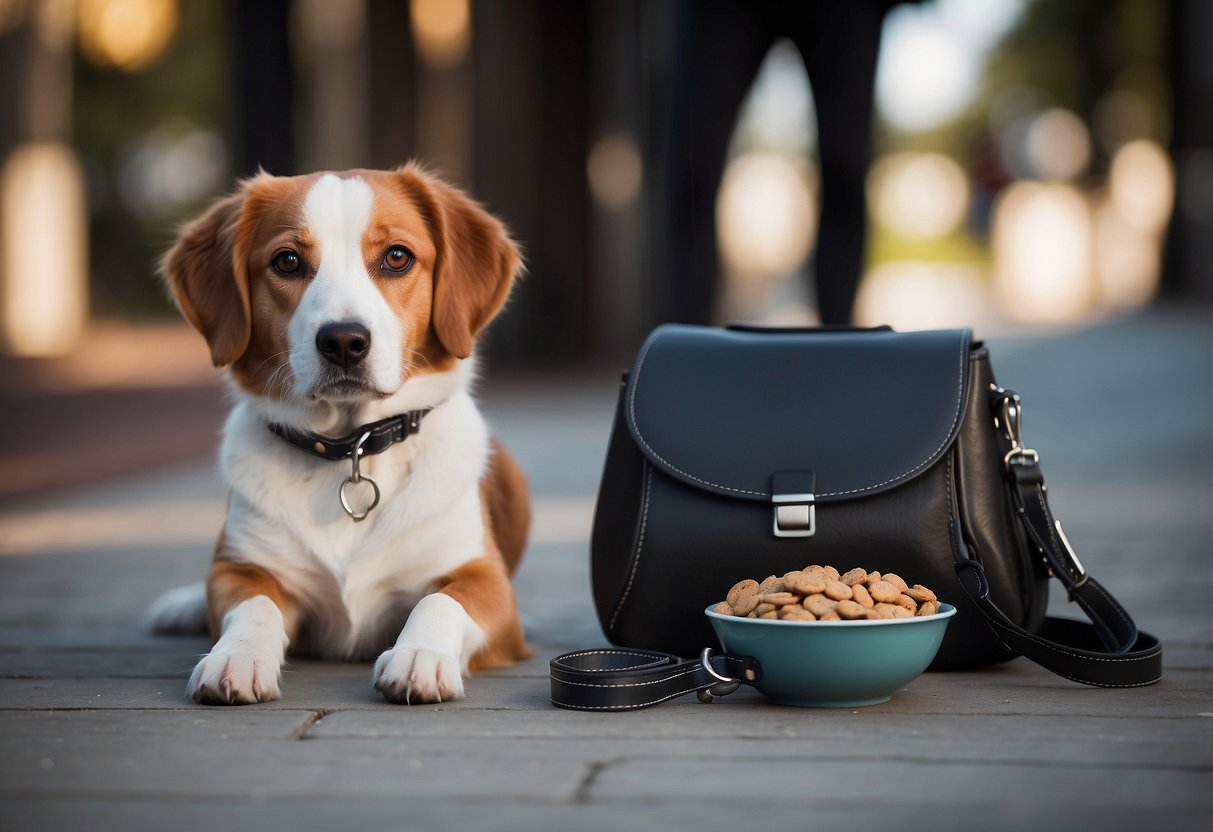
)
(414, 675)
(239, 676)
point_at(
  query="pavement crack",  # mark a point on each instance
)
(313, 717)
(581, 794)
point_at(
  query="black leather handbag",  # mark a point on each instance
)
(744, 452)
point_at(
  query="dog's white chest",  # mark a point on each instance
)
(286, 514)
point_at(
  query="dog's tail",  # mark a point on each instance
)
(180, 612)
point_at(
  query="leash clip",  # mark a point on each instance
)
(721, 688)
(355, 478)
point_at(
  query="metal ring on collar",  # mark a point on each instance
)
(345, 503)
(356, 476)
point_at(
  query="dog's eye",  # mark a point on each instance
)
(397, 259)
(287, 262)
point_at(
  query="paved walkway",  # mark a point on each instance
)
(95, 731)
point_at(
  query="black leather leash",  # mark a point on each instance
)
(375, 437)
(627, 679)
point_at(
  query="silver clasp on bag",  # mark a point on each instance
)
(795, 515)
(1011, 422)
(1078, 573)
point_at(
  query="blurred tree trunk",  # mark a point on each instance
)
(530, 136)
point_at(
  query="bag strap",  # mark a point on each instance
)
(624, 680)
(1110, 651)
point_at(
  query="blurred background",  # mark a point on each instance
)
(1012, 165)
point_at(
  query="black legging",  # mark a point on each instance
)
(719, 47)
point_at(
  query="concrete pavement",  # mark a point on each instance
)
(95, 730)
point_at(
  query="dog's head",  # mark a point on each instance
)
(341, 286)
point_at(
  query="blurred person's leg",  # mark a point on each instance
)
(719, 46)
(840, 43)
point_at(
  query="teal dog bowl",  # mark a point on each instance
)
(834, 664)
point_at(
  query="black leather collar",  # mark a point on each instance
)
(375, 437)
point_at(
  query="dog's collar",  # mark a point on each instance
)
(370, 439)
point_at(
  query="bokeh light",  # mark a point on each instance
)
(1141, 185)
(1042, 252)
(170, 169)
(126, 34)
(441, 30)
(766, 215)
(912, 295)
(1058, 145)
(918, 195)
(43, 243)
(1126, 260)
(614, 170)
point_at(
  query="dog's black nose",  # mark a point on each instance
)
(343, 344)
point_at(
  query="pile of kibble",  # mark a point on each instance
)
(821, 593)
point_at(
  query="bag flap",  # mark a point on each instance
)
(862, 410)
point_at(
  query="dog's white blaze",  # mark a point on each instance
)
(337, 212)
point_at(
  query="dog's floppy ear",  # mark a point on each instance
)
(476, 265)
(209, 278)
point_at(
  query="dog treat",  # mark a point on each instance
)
(854, 576)
(896, 581)
(743, 597)
(771, 584)
(807, 582)
(795, 612)
(822, 593)
(819, 605)
(883, 592)
(838, 591)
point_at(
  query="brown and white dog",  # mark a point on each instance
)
(337, 300)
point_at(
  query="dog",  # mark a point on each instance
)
(370, 513)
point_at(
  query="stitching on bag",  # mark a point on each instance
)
(644, 520)
(947, 488)
(636, 429)
(652, 452)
